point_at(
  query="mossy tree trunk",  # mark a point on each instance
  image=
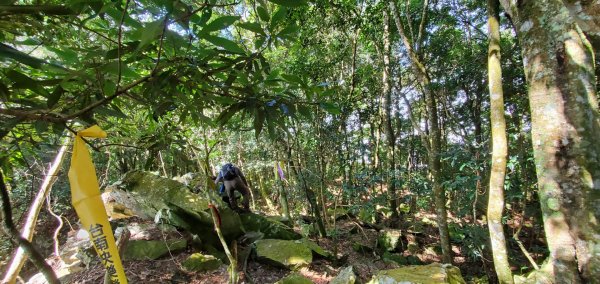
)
(559, 70)
(500, 147)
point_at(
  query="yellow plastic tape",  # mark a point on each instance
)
(85, 196)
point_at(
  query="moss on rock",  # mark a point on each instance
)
(434, 273)
(284, 253)
(199, 262)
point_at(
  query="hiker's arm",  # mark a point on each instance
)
(219, 178)
(241, 175)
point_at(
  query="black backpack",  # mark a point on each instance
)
(228, 172)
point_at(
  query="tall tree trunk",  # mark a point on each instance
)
(500, 148)
(435, 165)
(387, 119)
(34, 210)
(559, 70)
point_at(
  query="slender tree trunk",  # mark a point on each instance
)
(387, 118)
(11, 231)
(34, 210)
(435, 166)
(559, 69)
(500, 148)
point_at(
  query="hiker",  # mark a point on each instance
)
(233, 179)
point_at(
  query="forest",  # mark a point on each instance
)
(371, 141)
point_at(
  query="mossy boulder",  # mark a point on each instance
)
(389, 239)
(315, 248)
(199, 262)
(152, 197)
(152, 249)
(284, 253)
(346, 276)
(294, 278)
(271, 228)
(434, 273)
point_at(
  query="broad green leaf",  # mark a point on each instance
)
(290, 3)
(292, 79)
(291, 29)
(22, 81)
(331, 108)
(226, 115)
(228, 45)
(113, 68)
(55, 96)
(150, 33)
(278, 16)
(263, 14)
(259, 121)
(67, 55)
(4, 92)
(253, 27)
(220, 23)
(9, 52)
(109, 87)
(128, 47)
(305, 111)
(40, 126)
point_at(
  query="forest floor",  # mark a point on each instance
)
(169, 269)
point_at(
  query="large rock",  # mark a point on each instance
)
(152, 197)
(271, 228)
(434, 273)
(149, 249)
(284, 253)
(199, 263)
(389, 239)
(315, 248)
(151, 241)
(346, 276)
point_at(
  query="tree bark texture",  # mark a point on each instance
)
(559, 70)
(499, 146)
(387, 118)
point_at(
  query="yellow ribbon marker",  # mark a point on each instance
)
(85, 197)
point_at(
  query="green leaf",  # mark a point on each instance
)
(228, 113)
(220, 23)
(253, 27)
(65, 54)
(290, 3)
(228, 45)
(292, 79)
(55, 96)
(149, 33)
(9, 52)
(113, 68)
(278, 16)
(331, 108)
(263, 14)
(291, 29)
(109, 88)
(305, 111)
(259, 121)
(22, 81)
(4, 92)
